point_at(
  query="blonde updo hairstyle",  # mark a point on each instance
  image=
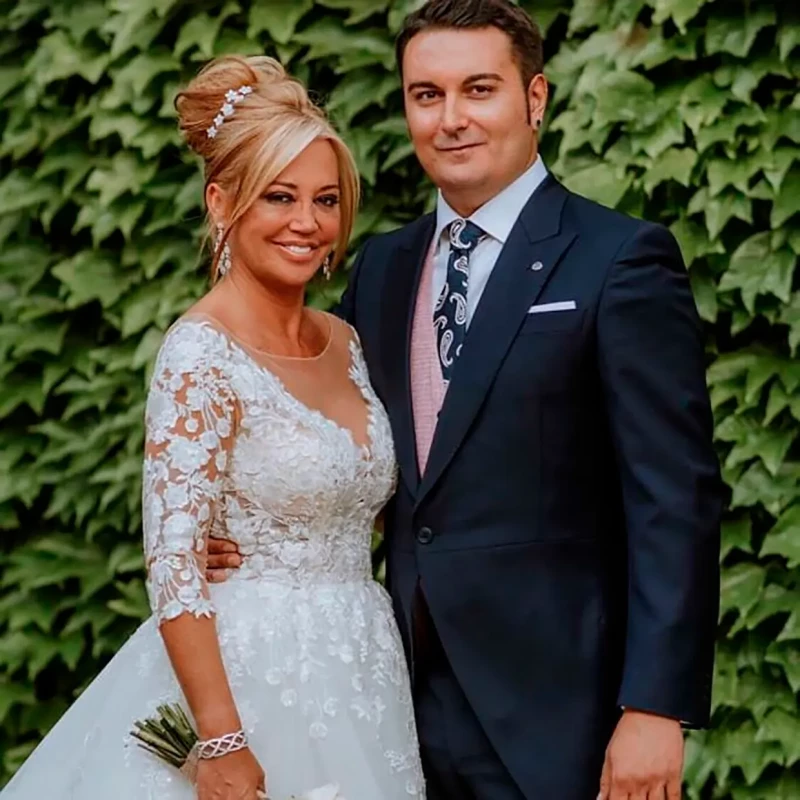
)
(265, 133)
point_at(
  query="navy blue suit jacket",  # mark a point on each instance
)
(565, 533)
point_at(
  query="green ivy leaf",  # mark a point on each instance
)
(200, 31)
(586, 14)
(359, 9)
(736, 746)
(358, 90)
(790, 315)
(694, 240)
(791, 630)
(327, 38)
(90, 276)
(719, 211)
(58, 58)
(730, 128)
(736, 535)
(741, 588)
(704, 289)
(625, 96)
(278, 17)
(788, 39)
(668, 131)
(125, 173)
(783, 539)
(786, 655)
(775, 600)
(787, 202)
(679, 11)
(12, 694)
(364, 146)
(10, 78)
(757, 487)
(702, 102)
(784, 787)
(20, 191)
(600, 182)
(756, 270)
(736, 34)
(673, 164)
(137, 75)
(134, 26)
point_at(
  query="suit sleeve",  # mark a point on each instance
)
(346, 307)
(651, 360)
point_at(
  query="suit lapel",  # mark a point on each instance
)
(398, 301)
(533, 249)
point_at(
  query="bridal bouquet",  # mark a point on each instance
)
(171, 737)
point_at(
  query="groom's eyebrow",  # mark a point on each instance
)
(421, 85)
(483, 76)
(478, 76)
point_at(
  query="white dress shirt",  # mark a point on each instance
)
(496, 217)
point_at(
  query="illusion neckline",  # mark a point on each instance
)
(365, 450)
(220, 326)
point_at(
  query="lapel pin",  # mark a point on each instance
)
(536, 266)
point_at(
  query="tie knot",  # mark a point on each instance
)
(464, 235)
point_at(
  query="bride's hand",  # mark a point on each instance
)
(235, 776)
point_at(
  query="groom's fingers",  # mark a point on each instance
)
(674, 789)
(605, 782)
(222, 556)
(224, 562)
(217, 547)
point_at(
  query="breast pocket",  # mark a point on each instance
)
(553, 322)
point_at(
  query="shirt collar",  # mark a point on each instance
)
(498, 215)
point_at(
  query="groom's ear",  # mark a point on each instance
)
(538, 92)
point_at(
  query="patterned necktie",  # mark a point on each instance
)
(450, 314)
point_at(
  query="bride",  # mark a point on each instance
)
(262, 427)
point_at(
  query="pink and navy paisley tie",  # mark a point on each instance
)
(450, 313)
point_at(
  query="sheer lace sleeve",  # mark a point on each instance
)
(189, 429)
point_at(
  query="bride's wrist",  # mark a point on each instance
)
(221, 746)
(214, 723)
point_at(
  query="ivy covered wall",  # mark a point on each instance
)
(682, 111)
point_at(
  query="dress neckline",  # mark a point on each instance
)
(365, 450)
(220, 326)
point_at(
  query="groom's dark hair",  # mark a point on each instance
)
(526, 40)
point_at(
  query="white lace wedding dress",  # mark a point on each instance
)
(309, 642)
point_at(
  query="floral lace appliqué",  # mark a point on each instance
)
(231, 453)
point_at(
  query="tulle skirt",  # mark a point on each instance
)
(320, 683)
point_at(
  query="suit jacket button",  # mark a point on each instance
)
(424, 535)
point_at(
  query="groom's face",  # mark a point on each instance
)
(468, 112)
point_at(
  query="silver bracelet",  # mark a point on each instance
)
(221, 745)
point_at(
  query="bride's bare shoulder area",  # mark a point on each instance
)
(346, 331)
(207, 307)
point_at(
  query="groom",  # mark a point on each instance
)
(554, 539)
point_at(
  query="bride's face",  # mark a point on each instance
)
(287, 233)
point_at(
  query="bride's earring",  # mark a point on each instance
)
(224, 263)
(327, 271)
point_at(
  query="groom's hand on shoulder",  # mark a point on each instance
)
(644, 759)
(222, 556)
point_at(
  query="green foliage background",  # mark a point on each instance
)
(683, 111)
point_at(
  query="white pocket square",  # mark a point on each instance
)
(544, 308)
